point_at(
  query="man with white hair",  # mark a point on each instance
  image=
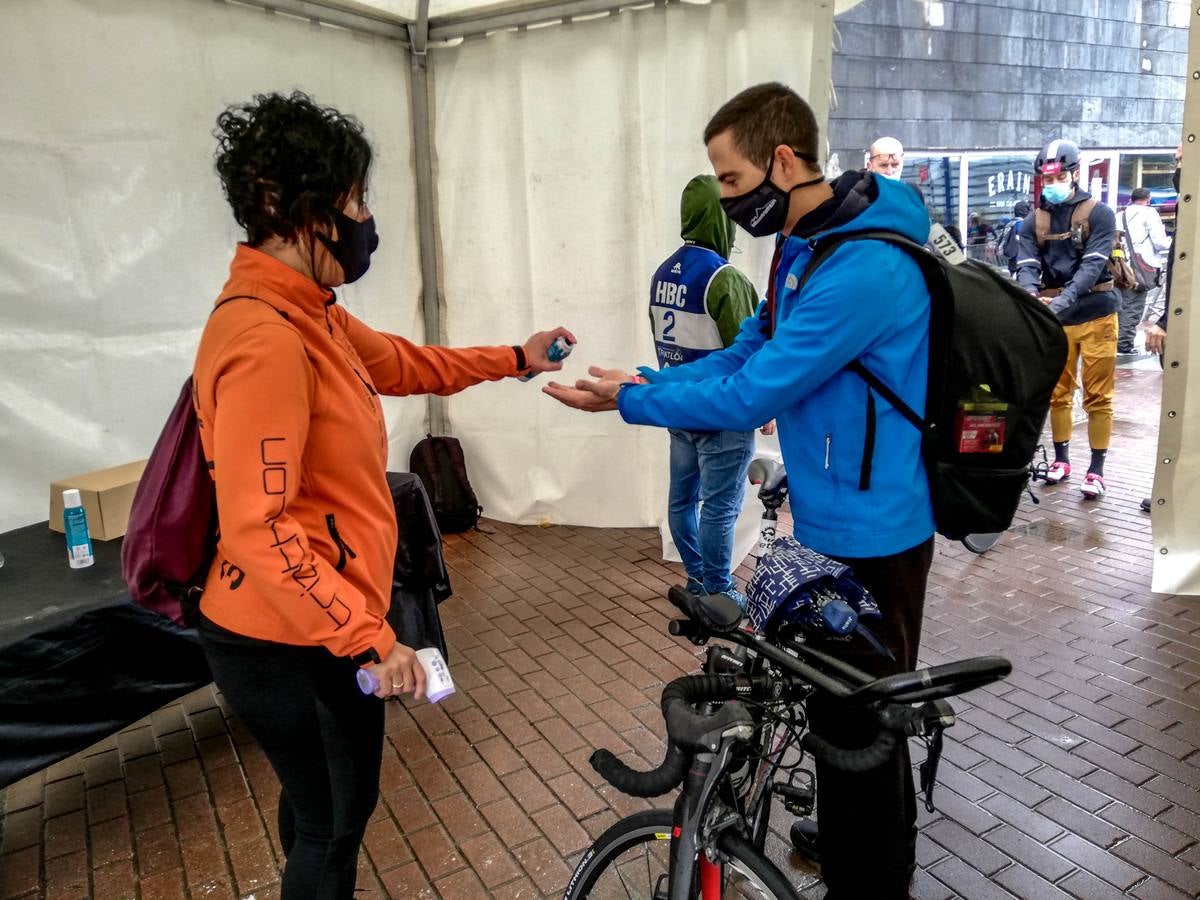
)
(886, 158)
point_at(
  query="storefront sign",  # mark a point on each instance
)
(1010, 182)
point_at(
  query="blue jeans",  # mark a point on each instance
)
(708, 468)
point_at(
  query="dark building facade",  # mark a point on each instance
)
(972, 88)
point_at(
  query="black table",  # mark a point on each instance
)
(78, 660)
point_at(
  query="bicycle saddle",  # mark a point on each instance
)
(718, 613)
(770, 476)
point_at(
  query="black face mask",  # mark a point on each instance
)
(764, 209)
(354, 246)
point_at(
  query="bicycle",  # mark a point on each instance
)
(732, 731)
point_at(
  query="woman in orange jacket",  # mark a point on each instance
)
(287, 387)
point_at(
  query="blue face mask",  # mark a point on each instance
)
(1056, 193)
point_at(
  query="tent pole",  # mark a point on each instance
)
(820, 76)
(478, 24)
(428, 247)
(380, 23)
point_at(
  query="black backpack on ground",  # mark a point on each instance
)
(442, 468)
(995, 355)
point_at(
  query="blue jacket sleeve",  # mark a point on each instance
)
(720, 362)
(805, 351)
(1102, 226)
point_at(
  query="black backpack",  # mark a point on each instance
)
(1009, 242)
(995, 355)
(439, 463)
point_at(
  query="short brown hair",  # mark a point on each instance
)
(763, 117)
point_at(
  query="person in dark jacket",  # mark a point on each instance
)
(1008, 243)
(1064, 261)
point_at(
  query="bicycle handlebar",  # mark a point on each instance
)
(851, 760)
(629, 781)
(937, 681)
(894, 721)
(687, 732)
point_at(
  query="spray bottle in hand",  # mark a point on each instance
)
(558, 350)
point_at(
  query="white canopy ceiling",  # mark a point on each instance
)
(450, 20)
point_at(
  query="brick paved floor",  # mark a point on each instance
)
(1079, 776)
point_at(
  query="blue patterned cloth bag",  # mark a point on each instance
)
(798, 585)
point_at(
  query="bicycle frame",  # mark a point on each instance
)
(694, 833)
(756, 808)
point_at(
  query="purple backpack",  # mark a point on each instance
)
(172, 534)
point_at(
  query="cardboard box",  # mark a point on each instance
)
(107, 496)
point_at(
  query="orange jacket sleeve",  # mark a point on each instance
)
(264, 388)
(400, 368)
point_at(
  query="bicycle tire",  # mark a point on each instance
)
(755, 871)
(981, 543)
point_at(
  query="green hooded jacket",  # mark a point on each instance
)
(731, 296)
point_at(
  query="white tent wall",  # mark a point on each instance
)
(1177, 474)
(561, 156)
(117, 237)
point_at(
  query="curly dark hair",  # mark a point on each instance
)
(286, 164)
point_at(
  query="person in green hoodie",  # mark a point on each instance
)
(698, 301)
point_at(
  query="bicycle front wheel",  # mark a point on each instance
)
(631, 858)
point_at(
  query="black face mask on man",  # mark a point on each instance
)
(355, 243)
(763, 210)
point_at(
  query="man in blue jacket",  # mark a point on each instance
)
(866, 505)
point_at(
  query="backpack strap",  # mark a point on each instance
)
(935, 281)
(1081, 217)
(222, 302)
(1041, 227)
(887, 394)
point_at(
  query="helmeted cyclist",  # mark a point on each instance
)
(1065, 246)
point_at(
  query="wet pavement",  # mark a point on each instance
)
(1077, 777)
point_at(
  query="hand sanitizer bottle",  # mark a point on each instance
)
(559, 350)
(79, 542)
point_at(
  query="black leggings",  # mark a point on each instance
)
(867, 833)
(324, 739)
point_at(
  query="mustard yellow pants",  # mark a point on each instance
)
(1094, 344)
